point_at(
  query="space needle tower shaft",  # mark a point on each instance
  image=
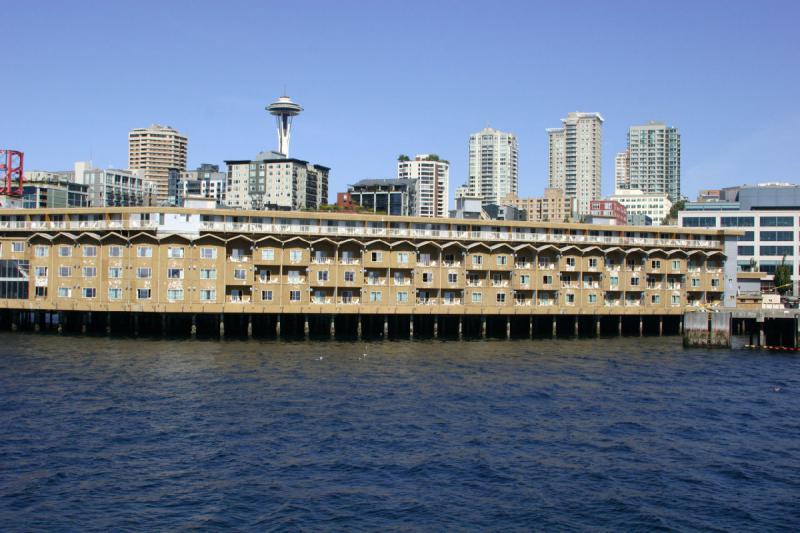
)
(284, 110)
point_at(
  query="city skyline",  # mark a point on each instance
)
(721, 147)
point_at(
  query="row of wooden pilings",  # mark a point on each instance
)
(343, 326)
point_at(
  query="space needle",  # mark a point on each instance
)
(284, 109)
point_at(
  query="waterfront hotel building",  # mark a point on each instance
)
(216, 261)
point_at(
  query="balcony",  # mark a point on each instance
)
(522, 265)
(523, 303)
(350, 261)
(375, 282)
(239, 258)
(344, 300)
(402, 282)
(321, 260)
(476, 283)
(320, 300)
(245, 299)
(451, 264)
(451, 301)
(427, 301)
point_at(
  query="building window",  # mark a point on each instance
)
(500, 297)
(715, 282)
(295, 256)
(322, 275)
(40, 272)
(40, 292)
(655, 264)
(477, 297)
(144, 251)
(614, 281)
(676, 264)
(571, 262)
(208, 295)
(294, 296)
(375, 296)
(776, 222)
(142, 294)
(41, 251)
(676, 299)
(777, 250)
(240, 274)
(115, 251)
(208, 273)
(143, 272)
(502, 260)
(175, 273)
(266, 296)
(294, 276)
(402, 258)
(402, 297)
(18, 246)
(699, 222)
(570, 299)
(63, 271)
(174, 295)
(64, 292)
(592, 298)
(114, 294)
(350, 276)
(477, 259)
(64, 251)
(655, 299)
(268, 254)
(90, 251)
(776, 235)
(427, 277)
(376, 257)
(695, 282)
(89, 272)
(635, 282)
(208, 253)
(745, 250)
(175, 253)
(452, 277)
(592, 262)
(547, 279)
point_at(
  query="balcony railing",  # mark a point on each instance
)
(294, 229)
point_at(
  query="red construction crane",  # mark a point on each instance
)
(11, 162)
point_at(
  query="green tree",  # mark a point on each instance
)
(403, 157)
(673, 211)
(783, 277)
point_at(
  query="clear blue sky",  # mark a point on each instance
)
(379, 78)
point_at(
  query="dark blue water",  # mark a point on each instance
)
(621, 434)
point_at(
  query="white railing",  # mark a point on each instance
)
(323, 300)
(298, 229)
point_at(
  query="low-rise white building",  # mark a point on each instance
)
(654, 205)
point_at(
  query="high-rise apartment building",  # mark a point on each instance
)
(655, 159)
(431, 177)
(622, 171)
(155, 150)
(493, 166)
(574, 158)
(271, 182)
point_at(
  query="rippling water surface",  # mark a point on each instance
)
(615, 434)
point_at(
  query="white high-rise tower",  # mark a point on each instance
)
(493, 170)
(574, 162)
(284, 110)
